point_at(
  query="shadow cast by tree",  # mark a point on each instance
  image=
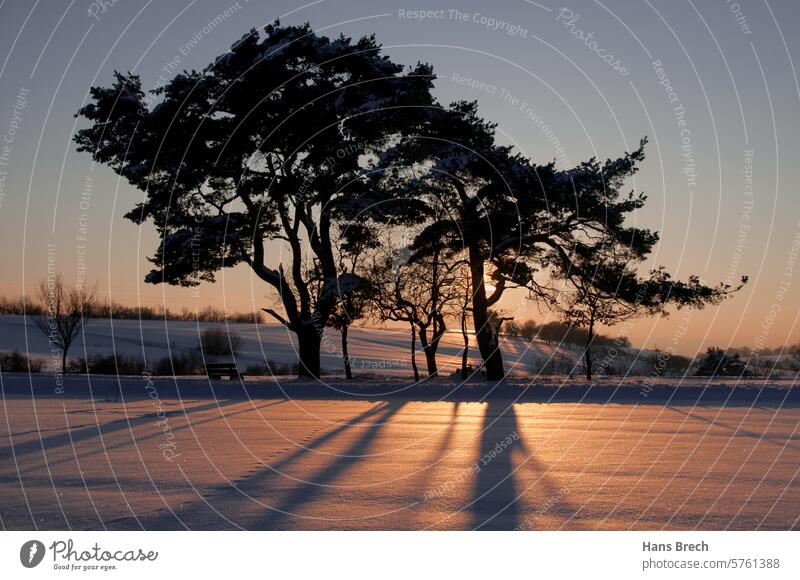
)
(217, 510)
(495, 489)
(306, 492)
(497, 502)
(113, 426)
(98, 430)
(737, 429)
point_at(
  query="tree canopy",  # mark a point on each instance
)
(294, 141)
(269, 142)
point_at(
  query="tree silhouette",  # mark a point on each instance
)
(717, 362)
(263, 150)
(461, 309)
(517, 221)
(67, 311)
(420, 292)
(603, 287)
(355, 242)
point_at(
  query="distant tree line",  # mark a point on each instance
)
(117, 311)
(556, 332)
(744, 361)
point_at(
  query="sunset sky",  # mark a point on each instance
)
(712, 84)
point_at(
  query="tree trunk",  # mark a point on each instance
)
(348, 373)
(64, 362)
(587, 355)
(465, 352)
(414, 352)
(488, 343)
(430, 360)
(429, 350)
(309, 342)
(439, 328)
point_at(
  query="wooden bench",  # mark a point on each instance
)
(217, 370)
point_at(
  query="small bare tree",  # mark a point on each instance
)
(605, 289)
(392, 289)
(66, 312)
(463, 285)
(418, 290)
(354, 242)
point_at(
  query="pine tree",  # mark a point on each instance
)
(262, 151)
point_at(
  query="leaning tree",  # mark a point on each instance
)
(602, 287)
(258, 153)
(517, 221)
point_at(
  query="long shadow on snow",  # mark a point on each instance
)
(235, 497)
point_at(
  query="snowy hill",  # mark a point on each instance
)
(371, 349)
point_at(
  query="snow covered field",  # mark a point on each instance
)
(371, 350)
(535, 452)
(394, 464)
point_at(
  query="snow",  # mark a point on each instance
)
(371, 349)
(277, 453)
(394, 464)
